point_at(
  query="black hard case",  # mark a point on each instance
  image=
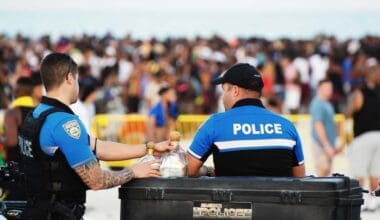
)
(311, 198)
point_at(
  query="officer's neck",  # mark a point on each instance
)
(60, 96)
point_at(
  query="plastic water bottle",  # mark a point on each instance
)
(174, 164)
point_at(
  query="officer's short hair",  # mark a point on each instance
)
(54, 69)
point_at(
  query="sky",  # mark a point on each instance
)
(267, 18)
(266, 5)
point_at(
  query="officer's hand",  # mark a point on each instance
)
(146, 169)
(164, 146)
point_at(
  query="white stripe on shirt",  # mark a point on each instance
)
(265, 143)
(194, 154)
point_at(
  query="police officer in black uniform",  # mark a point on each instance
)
(59, 158)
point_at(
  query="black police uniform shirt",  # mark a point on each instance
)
(249, 140)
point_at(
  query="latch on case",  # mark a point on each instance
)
(222, 195)
(291, 197)
(154, 193)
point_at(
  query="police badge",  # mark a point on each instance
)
(72, 129)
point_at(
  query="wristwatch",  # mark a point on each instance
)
(149, 145)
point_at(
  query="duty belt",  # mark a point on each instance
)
(66, 210)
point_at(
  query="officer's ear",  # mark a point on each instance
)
(70, 78)
(235, 90)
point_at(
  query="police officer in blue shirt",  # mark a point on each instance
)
(247, 139)
(59, 158)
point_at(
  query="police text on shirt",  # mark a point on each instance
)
(246, 129)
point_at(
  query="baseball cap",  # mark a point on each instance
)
(242, 75)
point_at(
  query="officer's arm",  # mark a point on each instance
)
(96, 178)
(110, 151)
(299, 171)
(200, 149)
(195, 168)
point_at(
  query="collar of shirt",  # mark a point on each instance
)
(245, 102)
(56, 103)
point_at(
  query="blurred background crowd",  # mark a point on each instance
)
(165, 76)
(124, 75)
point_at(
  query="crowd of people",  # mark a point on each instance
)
(165, 78)
(124, 75)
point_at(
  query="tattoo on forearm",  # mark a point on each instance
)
(96, 178)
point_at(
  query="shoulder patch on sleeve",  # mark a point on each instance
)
(72, 128)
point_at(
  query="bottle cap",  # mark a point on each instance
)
(175, 136)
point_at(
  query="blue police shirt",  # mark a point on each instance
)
(64, 131)
(249, 140)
